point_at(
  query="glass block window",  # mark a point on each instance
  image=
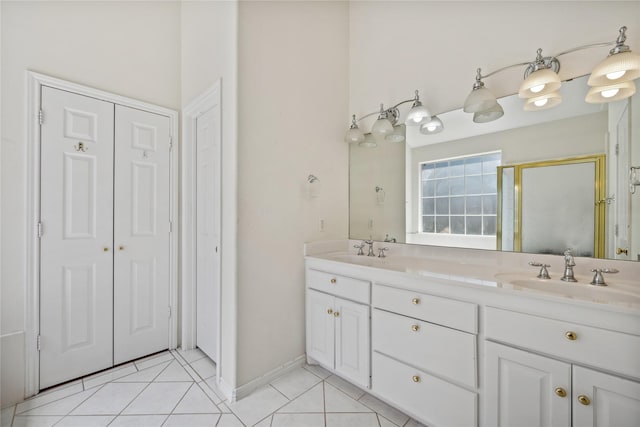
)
(459, 196)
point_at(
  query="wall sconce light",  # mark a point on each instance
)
(386, 126)
(611, 80)
(431, 127)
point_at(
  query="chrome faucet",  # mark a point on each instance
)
(370, 243)
(598, 278)
(359, 248)
(569, 263)
(389, 239)
(544, 273)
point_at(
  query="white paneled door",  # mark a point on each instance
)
(208, 230)
(104, 246)
(76, 248)
(141, 233)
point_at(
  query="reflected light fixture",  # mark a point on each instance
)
(480, 98)
(432, 127)
(543, 102)
(418, 113)
(489, 115)
(354, 135)
(382, 127)
(621, 65)
(613, 92)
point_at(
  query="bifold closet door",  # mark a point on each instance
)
(141, 233)
(76, 247)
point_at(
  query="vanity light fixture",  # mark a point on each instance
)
(480, 98)
(613, 92)
(621, 65)
(489, 115)
(386, 126)
(541, 77)
(431, 127)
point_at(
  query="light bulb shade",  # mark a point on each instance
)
(614, 92)
(539, 83)
(489, 115)
(543, 102)
(398, 134)
(354, 136)
(381, 128)
(619, 67)
(417, 115)
(431, 127)
(479, 99)
(369, 142)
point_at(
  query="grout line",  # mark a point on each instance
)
(205, 393)
(287, 397)
(76, 407)
(324, 404)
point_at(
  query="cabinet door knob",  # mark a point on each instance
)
(121, 248)
(415, 301)
(333, 280)
(571, 336)
(561, 392)
(105, 249)
(416, 379)
(584, 400)
(329, 311)
(336, 313)
(415, 328)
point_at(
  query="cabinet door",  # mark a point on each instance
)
(604, 400)
(525, 389)
(353, 351)
(320, 328)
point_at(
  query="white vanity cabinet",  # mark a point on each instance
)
(529, 389)
(338, 329)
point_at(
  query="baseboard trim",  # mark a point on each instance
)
(246, 389)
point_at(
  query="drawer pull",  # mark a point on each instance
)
(336, 314)
(415, 301)
(333, 280)
(329, 311)
(584, 400)
(561, 392)
(416, 379)
(415, 328)
(571, 336)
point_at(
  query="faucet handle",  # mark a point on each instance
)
(544, 273)
(359, 248)
(598, 278)
(381, 252)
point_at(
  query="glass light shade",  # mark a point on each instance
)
(432, 126)
(369, 142)
(539, 83)
(398, 134)
(486, 116)
(614, 92)
(543, 102)
(381, 128)
(354, 136)
(417, 115)
(619, 67)
(479, 99)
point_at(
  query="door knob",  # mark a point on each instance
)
(622, 251)
(105, 249)
(329, 311)
(561, 392)
(121, 248)
(584, 400)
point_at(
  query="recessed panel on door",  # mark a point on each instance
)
(141, 233)
(76, 252)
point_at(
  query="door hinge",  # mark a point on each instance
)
(170, 143)
(38, 342)
(616, 230)
(39, 229)
(617, 149)
(170, 226)
(40, 117)
(169, 312)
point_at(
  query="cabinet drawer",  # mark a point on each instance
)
(436, 349)
(334, 284)
(614, 351)
(443, 311)
(432, 400)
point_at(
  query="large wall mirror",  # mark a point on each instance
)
(473, 184)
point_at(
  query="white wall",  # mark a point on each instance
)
(131, 48)
(293, 87)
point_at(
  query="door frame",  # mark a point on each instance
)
(203, 102)
(34, 83)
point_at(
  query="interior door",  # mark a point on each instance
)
(76, 256)
(620, 176)
(141, 233)
(208, 230)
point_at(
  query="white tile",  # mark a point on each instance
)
(210, 393)
(385, 422)
(86, 421)
(191, 355)
(174, 373)
(111, 399)
(414, 423)
(34, 421)
(337, 401)
(178, 357)
(49, 396)
(108, 376)
(309, 402)
(229, 420)
(213, 386)
(298, 420)
(7, 416)
(352, 420)
(318, 371)
(266, 422)
(345, 386)
(157, 398)
(204, 367)
(154, 360)
(191, 372)
(192, 420)
(63, 406)
(145, 375)
(196, 402)
(258, 405)
(295, 383)
(385, 410)
(224, 408)
(138, 421)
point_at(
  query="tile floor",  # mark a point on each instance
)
(177, 389)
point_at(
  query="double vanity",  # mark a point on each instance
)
(461, 337)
